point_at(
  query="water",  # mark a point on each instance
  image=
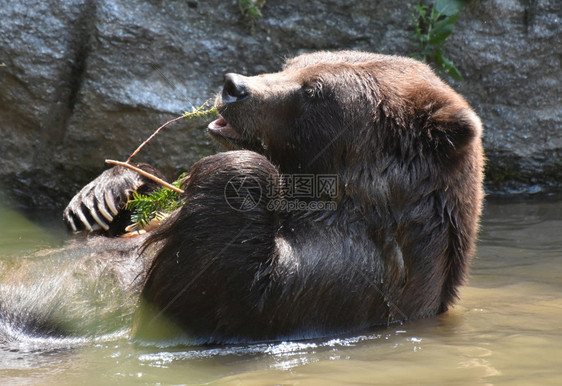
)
(507, 328)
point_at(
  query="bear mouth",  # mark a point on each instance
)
(222, 128)
(232, 138)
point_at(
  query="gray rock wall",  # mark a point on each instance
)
(86, 80)
(510, 53)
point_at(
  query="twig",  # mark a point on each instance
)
(198, 112)
(152, 136)
(146, 174)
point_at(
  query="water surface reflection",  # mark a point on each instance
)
(505, 330)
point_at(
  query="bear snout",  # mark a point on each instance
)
(235, 89)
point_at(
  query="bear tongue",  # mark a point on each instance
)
(222, 127)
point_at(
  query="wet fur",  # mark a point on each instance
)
(407, 152)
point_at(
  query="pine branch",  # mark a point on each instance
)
(168, 198)
(157, 205)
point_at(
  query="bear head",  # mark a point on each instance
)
(328, 111)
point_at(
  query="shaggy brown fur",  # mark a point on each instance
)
(407, 153)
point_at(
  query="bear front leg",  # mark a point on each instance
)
(100, 205)
(212, 261)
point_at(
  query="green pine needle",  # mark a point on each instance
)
(159, 204)
(201, 111)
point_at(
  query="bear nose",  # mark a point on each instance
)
(235, 89)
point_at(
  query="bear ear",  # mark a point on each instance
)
(314, 88)
(452, 131)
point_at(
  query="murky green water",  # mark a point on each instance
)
(507, 328)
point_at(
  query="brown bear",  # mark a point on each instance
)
(354, 204)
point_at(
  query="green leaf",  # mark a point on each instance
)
(251, 8)
(449, 7)
(422, 11)
(447, 66)
(254, 12)
(442, 29)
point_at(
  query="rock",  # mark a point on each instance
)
(86, 80)
(510, 53)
